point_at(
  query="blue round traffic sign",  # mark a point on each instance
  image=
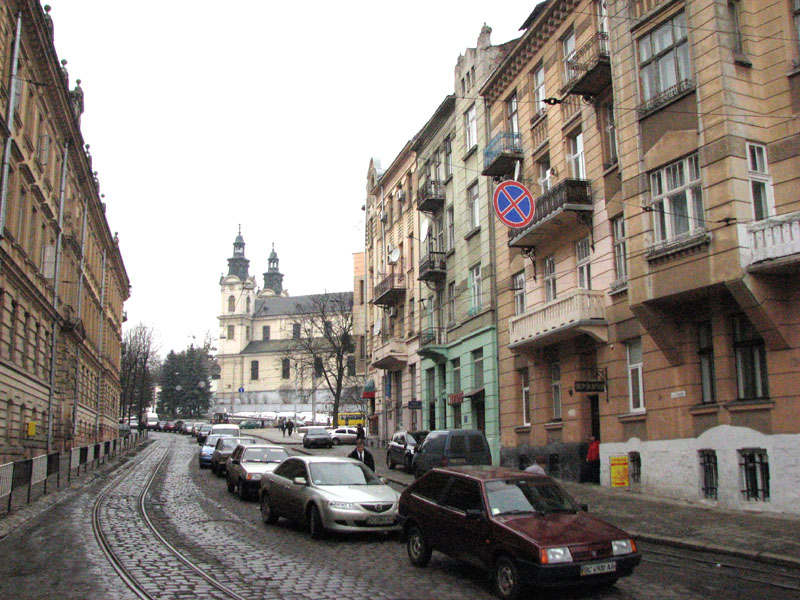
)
(514, 204)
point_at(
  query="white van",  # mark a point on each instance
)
(151, 420)
(225, 429)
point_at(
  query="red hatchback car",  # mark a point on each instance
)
(521, 527)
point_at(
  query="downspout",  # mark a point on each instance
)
(12, 95)
(79, 317)
(100, 349)
(56, 281)
(384, 258)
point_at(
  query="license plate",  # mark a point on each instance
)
(383, 520)
(594, 569)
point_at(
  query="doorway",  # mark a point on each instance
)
(479, 413)
(594, 411)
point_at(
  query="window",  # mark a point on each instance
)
(477, 368)
(620, 251)
(796, 12)
(584, 266)
(512, 113)
(543, 166)
(351, 365)
(526, 401)
(760, 181)
(518, 284)
(253, 369)
(456, 364)
(451, 302)
(474, 206)
(708, 472)
(577, 167)
(609, 131)
(635, 466)
(664, 62)
(705, 350)
(602, 16)
(296, 331)
(451, 228)
(285, 368)
(327, 328)
(736, 32)
(231, 304)
(265, 332)
(754, 469)
(555, 389)
(464, 495)
(635, 387)
(568, 51)
(230, 332)
(248, 305)
(539, 90)
(550, 278)
(412, 317)
(751, 360)
(438, 227)
(677, 200)
(471, 126)
(437, 157)
(317, 366)
(247, 333)
(448, 157)
(476, 293)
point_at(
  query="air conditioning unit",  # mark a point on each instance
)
(383, 216)
(401, 196)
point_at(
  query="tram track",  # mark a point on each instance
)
(186, 567)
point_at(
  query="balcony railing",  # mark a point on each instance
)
(569, 195)
(580, 312)
(392, 354)
(390, 289)
(433, 336)
(655, 102)
(539, 132)
(501, 153)
(433, 267)
(771, 243)
(589, 68)
(430, 196)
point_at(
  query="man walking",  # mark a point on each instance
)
(362, 454)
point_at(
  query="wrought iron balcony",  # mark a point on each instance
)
(433, 344)
(390, 289)
(433, 267)
(589, 68)
(561, 207)
(580, 312)
(771, 245)
(501, 153)
(430, 196)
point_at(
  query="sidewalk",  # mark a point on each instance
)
(765, 537)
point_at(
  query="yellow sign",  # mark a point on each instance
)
(619, 471)
(31, 428)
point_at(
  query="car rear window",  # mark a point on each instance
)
(435, 442)
(477, 443)
(458, 444)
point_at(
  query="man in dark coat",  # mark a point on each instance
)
(362, 454)
(360, 433)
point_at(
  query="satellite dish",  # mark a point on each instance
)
(424, 228)
(394, 256)
(376, 329)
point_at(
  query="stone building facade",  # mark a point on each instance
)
(62, 278)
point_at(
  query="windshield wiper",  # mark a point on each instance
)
(517, 511)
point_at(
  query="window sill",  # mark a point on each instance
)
(742, 59)
(610, 167)
(538, 118)
(677, 245)
(669, 96)
(618, 287)
(704, 409)
(750, 404)
(448, 179)
(470, 152)
(472, 232)
(633, 417)
(554, 425)
(522, 429)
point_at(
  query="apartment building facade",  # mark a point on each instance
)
(653, 300)
(62, 279)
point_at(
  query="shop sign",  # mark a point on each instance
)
(455, 398)
(619, 471)
(590, 386)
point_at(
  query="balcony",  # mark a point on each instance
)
(580, 312)
(430, 196)
(589, 68)
(771, 245)
(433, 267)
(502, 153)
(563, 207)
(390, 290)
(391, 354)
(433, 344)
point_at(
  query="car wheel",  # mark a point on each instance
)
(419, 552)
(389, 462)
(506, 578)
(407, 464)
(315, 526)
(267, 514)
(336, 441)
(242, 490)
(231, 486)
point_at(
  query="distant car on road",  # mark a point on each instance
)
(450, 447)
(225, 446)
(344, 435)
(247, 464)
(203, 432)
(317, 437)
(250, 425)
(328, 493)
(169, 426)
(207, 450)
(160, 425)
(400, 450)
(177, 427)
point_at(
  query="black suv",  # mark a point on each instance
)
(400, 450)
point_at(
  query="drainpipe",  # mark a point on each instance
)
(12, 95)
(100, 349)
(56, 282)
(78, 317)
(382, 430)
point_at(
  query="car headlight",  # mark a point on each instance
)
(253, 476)
(623, 547)
(342, 505)
(552, 556)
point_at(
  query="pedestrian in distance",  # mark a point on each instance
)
(362, 454)
(360, 433)
(282, 427)
(537, 466)
(289, 426)
(593, 461)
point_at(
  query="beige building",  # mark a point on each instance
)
(60, 335)
(654, 302)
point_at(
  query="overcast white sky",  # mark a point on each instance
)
(203, 115)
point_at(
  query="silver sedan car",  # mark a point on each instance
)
(328, 494)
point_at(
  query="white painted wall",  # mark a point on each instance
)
(672, 468)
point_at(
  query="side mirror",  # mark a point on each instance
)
(299, 481)
(474, 514)
(584, 507)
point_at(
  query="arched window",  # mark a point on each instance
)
(231, 304)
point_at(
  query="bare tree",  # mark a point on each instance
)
(325, 345)
(138, 370)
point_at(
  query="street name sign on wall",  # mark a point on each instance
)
(590, 386)
(414, 404)
(514, 204)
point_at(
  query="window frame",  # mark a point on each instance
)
(539, 89)
(663, 199)
(473, 206)
(568, 49)
(635, 371)
(518, 284)
(549, 278)
(471, 127)
(525, 396)
(253, 370)
(653, 59)
(754, 474)
(709, 473)
(576, 154)
(583, 263)
(476, 289)
(450, 217)
(758, 173)
(620, 249)
(545, 174)
(748, 345)
(555, 390)
(448, 157)
(705, 353)
(512, 113)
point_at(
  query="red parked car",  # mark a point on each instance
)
(521, 527)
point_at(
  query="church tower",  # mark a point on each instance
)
(238, 264)
(273, 279)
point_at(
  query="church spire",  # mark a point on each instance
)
(238, 264)
(273, 279)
